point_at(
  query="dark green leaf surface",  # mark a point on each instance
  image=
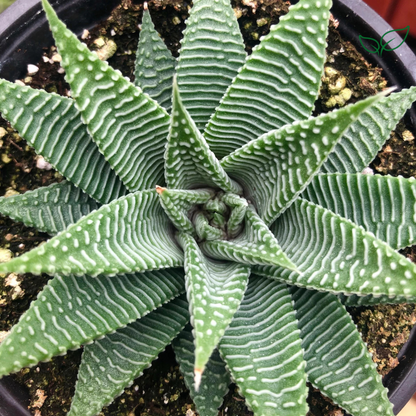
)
(262, 350)
(215, 379)
(275, 168)
(337, 360)
(212, 51)
(189, 163)
(127, 235)
(53, 126)
(368, 300)
(278, 84)
(365, 137)
(71, 311)
(50, 209)
(335, 255)
(112, 363)
(155, 65)
(383, 205)
(214, 291)
(129, 127)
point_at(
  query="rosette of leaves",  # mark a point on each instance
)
(208, 176)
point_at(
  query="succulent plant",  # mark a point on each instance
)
(208, 176)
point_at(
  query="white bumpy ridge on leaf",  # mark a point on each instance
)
(71, 311)
(123, 356)
(337, 360)
(127, 235)
(50, 209)
(128, 126)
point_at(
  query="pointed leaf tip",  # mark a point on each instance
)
(160, 189)
(145, 6)
(197, 378)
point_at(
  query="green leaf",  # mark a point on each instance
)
(336, 255)
(215, 379)
(256, 245)
(212, 52)
(214, 291)
(155, 65)
(50, 209)
(238, 213)
(337, 360)
(112, 363)
(177, 203)
(365, 137)
(278, 84)
(275, 168)
(262, 350)
(128, 235)
(354, 300)
(128, 127)
(383, 205)
(53, 126)
(204, 230)
(71, 311)
(189, 161)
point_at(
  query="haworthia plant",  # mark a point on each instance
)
(238, 179)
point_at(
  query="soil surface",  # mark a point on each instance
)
(161, 390)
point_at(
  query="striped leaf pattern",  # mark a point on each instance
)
(50, 209)
(278, 84)
(256, 245)
(275, 168)
(337, 360)
(214, 382)
(212, 52)
(129, 127)
(383, 205)
(189, 162)
(53, 126)
(335, 255)
(71, 311)
(365, 137)
(177, 203)
(262, 349)
(354, 300)
(112, 363)
(214, 292)
(127, 235)
(155, 65)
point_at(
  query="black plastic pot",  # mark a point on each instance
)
(24, 30)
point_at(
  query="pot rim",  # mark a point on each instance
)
(24, 19)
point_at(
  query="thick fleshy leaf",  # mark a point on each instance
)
(50, 209)
(337, 360)
(53, 126)
(336, 255)
(214, 292)
(276, 168)
(238, 213)
(212, 52)
(189, 161)
(130, 234)
(256, 245)
(177, 203)
(214, 381)
(278, 84)
(262, 349)
(155, 65)
(128, 127)
(112, 363)
(365, 137)
(383, 205)
(368, 300)
(71, 311)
